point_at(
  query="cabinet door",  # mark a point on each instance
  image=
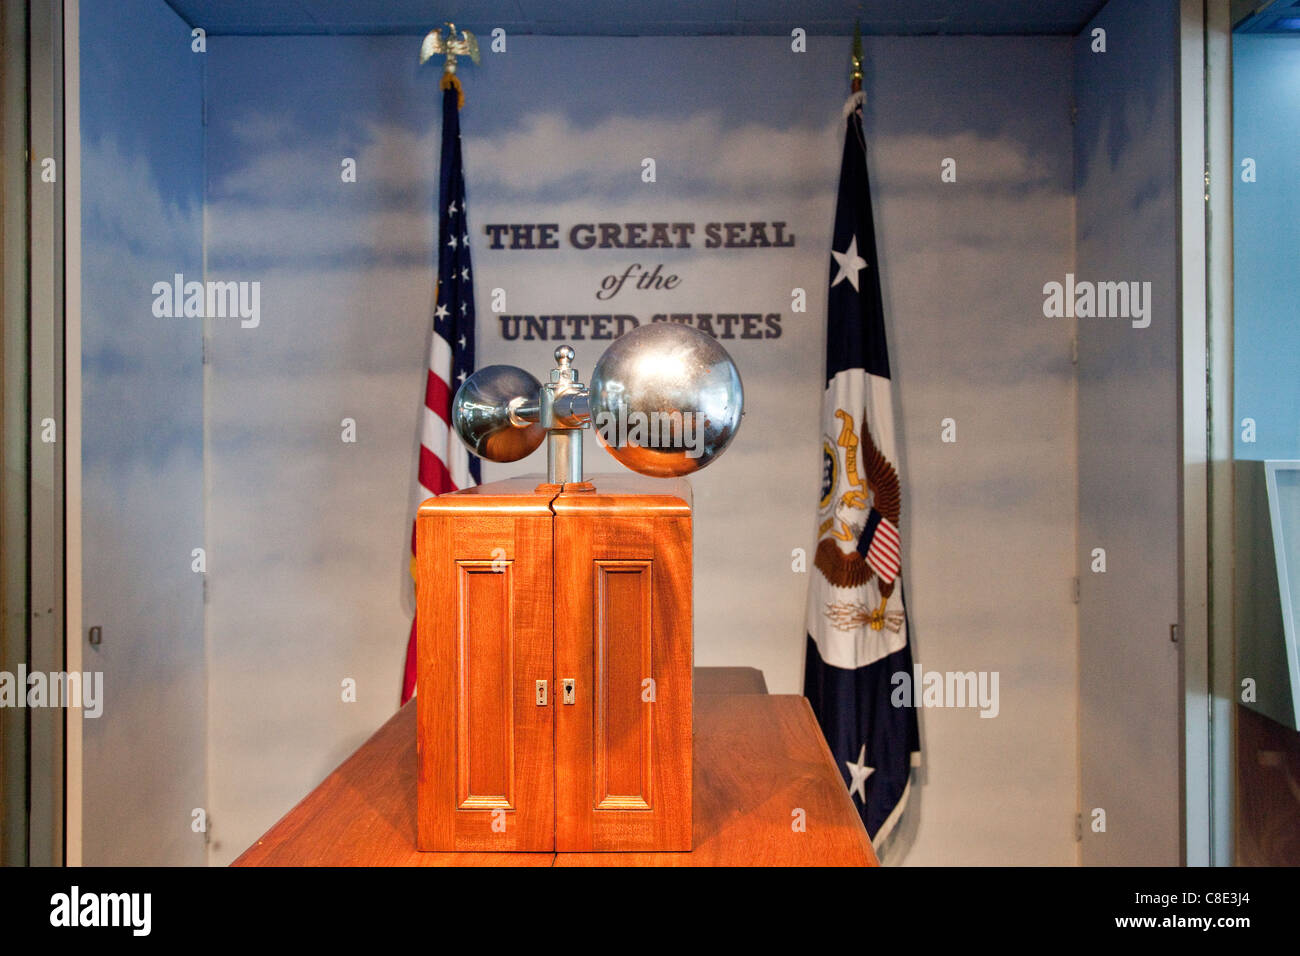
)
(486, 766)
(623, 635)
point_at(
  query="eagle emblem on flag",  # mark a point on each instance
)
(858, 534)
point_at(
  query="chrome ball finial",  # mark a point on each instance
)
(486, 413)
(666, 399)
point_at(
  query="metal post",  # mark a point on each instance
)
(564, 455)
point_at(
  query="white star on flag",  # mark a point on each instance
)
(464, 274)
(441, 312)
(850, 264)
(860, 772)
(451, 210)
(452, 242)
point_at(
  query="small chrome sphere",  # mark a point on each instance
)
(483, 413)
(666, 399)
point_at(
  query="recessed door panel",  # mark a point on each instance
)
(623, 731)
(623, 634)
(485, 657)
(487, 737)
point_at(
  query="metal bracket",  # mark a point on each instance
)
(565, 410)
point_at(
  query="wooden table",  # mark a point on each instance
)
(758, 760)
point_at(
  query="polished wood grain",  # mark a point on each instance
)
(632, 493)
(759, 760)
(757, 757)
(1268, 791)
(363, 814)
(729, 680)
(483, 592)
(618, 630)
(623, 630)
(628, 493)
(516, 495)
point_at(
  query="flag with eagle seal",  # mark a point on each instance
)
(857, 625)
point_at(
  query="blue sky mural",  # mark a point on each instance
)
(142, 434)
(308, 534)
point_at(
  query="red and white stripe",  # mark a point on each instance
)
(444, 459)
(884, 554)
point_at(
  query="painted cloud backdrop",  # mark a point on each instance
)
(307, 535)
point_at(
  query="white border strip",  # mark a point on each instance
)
(1219, 319)
(1193, 402)
(72, 417)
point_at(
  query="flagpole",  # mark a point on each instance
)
(855, 84)
(444, 464)
(858, 635)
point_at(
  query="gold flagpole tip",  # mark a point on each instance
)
(451, 46)
(856, 76)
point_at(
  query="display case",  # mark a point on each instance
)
(252, 259)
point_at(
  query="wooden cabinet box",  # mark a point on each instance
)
(554, 667)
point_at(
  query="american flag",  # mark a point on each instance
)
(445, 463)
(883, 551)
(858, 634)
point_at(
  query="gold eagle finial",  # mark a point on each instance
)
(453, 46)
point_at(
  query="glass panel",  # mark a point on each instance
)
(1266, 421)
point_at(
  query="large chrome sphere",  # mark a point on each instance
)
(483, 413)
(666, 399)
